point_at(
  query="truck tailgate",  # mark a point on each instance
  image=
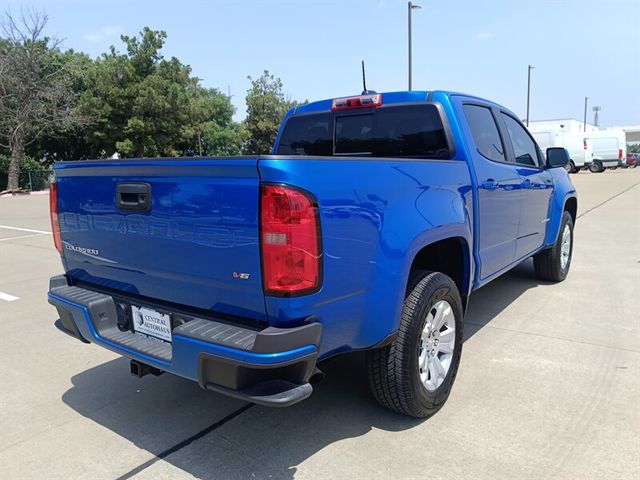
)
(192, 241)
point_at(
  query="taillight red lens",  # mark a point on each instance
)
(620, 154)
(584, 143)
(290, 241)
(55, 222)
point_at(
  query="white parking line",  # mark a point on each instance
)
(23, 236)
(7, 298)
(28, 230)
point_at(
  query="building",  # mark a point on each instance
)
(569, 125)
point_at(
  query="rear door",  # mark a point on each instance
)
(537, 185)
(498, 190)
(183, 231)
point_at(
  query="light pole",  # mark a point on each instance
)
(531, 67)
(596, 111)
(410, 7)
(584, 124)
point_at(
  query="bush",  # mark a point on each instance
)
(40, 175)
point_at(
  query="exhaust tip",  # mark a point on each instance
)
(316, 377)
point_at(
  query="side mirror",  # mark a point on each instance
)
(557, 157)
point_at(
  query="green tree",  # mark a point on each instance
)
(142, 104)
(266, 107)
(67, 141)
(216, 132)
(35, 86)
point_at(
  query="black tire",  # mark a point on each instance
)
(570, 167)
(393, 370)
(633, 165)
(596, 167)
(547, 263)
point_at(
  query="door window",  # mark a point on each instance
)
(485, 132)
(524, 147)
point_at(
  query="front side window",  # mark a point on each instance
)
(524, 147)
(485, 132)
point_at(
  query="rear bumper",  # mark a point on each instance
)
(609, 163)
(271, 366)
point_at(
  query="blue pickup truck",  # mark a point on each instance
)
(367, 228)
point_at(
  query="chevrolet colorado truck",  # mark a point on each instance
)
(368, 228)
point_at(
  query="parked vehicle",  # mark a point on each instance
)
(632, 160)
(609, 149)
(577, 144)
(369, 228)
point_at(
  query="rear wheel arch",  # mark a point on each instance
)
(450, 256)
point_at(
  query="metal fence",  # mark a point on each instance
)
(33, 180)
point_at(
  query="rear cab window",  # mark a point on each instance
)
(403, 131)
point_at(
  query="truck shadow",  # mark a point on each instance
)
(158, 413)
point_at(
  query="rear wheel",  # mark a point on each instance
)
(553, 263)
(415, 373)
(596, 167)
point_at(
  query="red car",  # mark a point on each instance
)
(632, 160)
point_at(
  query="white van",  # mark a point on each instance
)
(579, 147)
(609, 149)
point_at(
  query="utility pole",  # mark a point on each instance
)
(410, 7)
(596, 110)
(584, 124)
(531, 67)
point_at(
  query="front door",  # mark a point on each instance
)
(498, 190)
(537, 186)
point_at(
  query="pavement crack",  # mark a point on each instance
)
(608, 199)
(185, 443)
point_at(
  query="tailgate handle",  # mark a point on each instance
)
(133, 196)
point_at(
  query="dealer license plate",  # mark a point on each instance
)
(151, 323)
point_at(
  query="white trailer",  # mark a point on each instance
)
(609, 149)
(577, 144)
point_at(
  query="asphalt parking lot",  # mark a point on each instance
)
(549, 384)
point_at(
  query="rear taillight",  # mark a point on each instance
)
(55, 222)
(584, 143)
(620, 154)
(290, 241)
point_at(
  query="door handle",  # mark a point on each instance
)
(526, 183)
(490, 184)
(133, 196)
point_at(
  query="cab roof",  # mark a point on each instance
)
(388, 98)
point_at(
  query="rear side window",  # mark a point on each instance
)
(307, 135)
(409, 131)
(524, 147)
(485, 132)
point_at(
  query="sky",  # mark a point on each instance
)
(579, 48)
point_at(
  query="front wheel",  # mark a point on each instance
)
(553, 263)
(415, 373)
(570, 167)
